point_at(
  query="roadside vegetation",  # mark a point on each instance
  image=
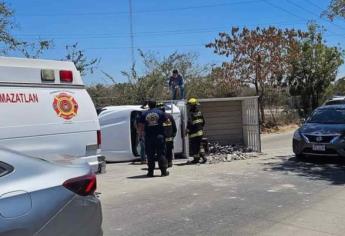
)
(291, 71)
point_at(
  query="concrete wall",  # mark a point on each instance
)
(223, 121)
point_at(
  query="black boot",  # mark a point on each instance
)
(165, 172)
(150, 174)
(204, 160)
(193, 162)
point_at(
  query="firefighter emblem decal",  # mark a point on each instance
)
(65, 106)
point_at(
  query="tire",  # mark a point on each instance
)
(300, 157)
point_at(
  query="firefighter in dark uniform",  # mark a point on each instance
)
(170, 131)
(195, 126)
(151, 125)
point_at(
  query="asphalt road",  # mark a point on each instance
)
(270, 195)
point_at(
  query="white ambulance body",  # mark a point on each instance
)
(46, 111)
(119, 136)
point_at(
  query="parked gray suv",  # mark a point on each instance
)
(323, 133)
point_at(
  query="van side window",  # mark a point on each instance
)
(5, 169)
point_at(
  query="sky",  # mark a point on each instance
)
(102, 27)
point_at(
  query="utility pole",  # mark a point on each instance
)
(131, 31)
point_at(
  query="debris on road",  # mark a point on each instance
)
(227, 153)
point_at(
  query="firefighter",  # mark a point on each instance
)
(195, 128)
(151, 125)
(170, 131)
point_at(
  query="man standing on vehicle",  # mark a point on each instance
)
(195, 126)
(170, 131)
(151, 125)
(176, 86)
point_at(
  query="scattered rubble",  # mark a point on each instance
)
(227, 153)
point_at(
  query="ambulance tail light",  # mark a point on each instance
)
(99, 138)
(66, 76)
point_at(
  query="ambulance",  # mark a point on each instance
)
(46, 112)
(119, 135)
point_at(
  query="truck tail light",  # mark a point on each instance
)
(99, 138)
(66, 76)
(84, 186)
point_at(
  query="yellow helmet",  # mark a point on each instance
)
(193, 101)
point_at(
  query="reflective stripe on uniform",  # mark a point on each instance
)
(169, 139)
(197, 134)
(167, 122)
(197, 121)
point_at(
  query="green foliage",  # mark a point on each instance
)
(215, 84)
(314, 68)
(7, 40)
(257, 57)
(117, 94)
(336, 8)
(35, 50)
(78, 57)
(154, 83)
(336, 88)
(200, 81)
(10, 43)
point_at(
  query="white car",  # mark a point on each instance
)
(119, 136)
(43, 198)
(46, 111)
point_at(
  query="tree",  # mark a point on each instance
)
(314, 68)
(154, 82)
(336, 8)
(185, 63)
(35, 50)
(10, 43)
(257, 57)
(221, 84)
(337, 88)
(78, 57)
(7, 40)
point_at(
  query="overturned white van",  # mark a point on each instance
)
(119, 135)
(46, 111)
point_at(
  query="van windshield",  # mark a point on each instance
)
(328, 116)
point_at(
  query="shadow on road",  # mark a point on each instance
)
(314, 168)
(145, 168)
(185, 164)
(138, 177)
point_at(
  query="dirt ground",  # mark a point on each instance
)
(280, 129)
